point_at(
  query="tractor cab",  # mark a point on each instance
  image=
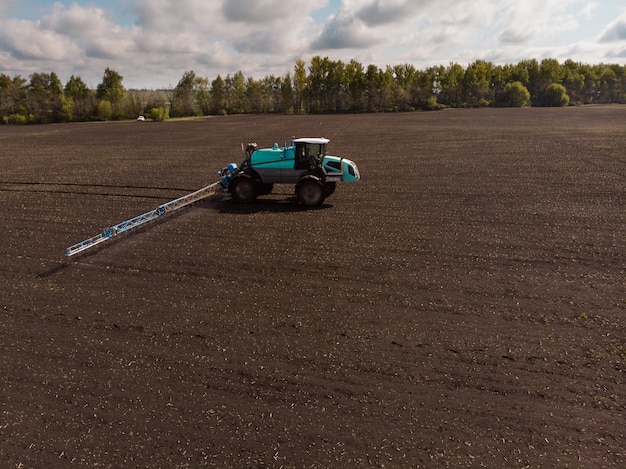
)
(309, 152)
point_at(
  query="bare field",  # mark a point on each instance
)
(463, 305)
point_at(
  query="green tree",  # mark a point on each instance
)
(111, 87)
(591, 90)
(608, 83)
(404, 75)
(499, 79)
(134, 103)
(13, 96)
(450, 80)
(574, 80)
(329, 86)
(317, 84)
(515, 95)
(371, 87)
(66, 113)
(105, 110)
(235, 93)
(183, 97)
(203, 95)
(299, 85)
(326, 85)
(286, 91)
(254, 91)
(76, 88)
(45, 97)
(529, 69)
(517, 72)
(218, 96)
(335, 86)
(423, 90)
(550, 71)
(476, 83)
(159, 114)
(619, 90)
(84, 103)
(554, 95)
(112, 90)
(379, 97)
(356, 85)
(272, 94)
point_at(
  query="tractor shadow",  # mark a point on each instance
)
(276, 204)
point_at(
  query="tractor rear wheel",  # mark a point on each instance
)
(329, 188)
(310, 192)
(243, 189)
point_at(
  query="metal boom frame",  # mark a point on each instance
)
(128, 225)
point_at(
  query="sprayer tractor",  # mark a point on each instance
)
(304, 163)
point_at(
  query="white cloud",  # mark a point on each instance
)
(345, 31)
(538, 20)
(151, 43)
(78, 22)
(269, 12)
(516, 36)
(615, 31)
(166, 16)
(8, 7)
(378, 12)
(27, 40)
(619, 53)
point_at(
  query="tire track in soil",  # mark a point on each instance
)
(59, 188)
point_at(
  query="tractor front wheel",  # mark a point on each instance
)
(329, 188)
(310, 192)
(243, 189)
(265, 188)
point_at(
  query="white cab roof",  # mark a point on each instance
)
(318, 140)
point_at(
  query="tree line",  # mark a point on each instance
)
(324, 86)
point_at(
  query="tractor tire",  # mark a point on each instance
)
(265, 188)
(329, 188)
(243, 189)
(310, 192)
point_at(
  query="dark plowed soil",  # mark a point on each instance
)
(463, 305)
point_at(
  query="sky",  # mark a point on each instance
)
(152, 43)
